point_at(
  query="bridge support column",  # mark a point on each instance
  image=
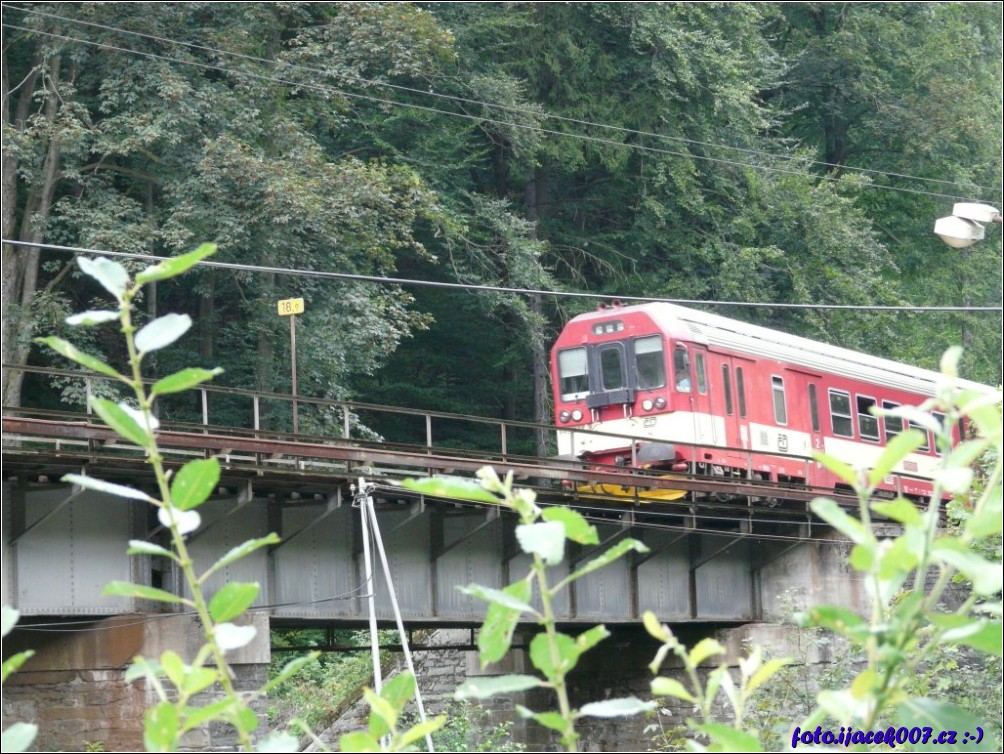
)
(74, 688)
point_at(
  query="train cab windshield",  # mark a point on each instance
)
(613, 371)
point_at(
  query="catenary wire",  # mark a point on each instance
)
(377, 279)
(467, 116)
(479, 103)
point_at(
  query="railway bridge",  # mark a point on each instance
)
(719, 557)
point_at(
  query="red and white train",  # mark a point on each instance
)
(704, 394)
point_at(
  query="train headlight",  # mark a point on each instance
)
(647, 404)
(576, 415)
(660, 403)
(564, 416)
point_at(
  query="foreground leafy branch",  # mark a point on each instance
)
(541, 534)
(177, 497)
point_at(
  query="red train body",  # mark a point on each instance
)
(705, 394)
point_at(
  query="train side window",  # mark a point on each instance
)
(926, 446)
(573, 372)
(777, 392)
(940, 418)
(649, 362)
(681, 369)
(893, 424)
(840, 413)
(612, 368)
(702, 378)
(813, 407)
(741, 392)
(727, 384)
(868, 425)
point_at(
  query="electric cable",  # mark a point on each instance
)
(426, 108)
(471, 101)
(377, 279)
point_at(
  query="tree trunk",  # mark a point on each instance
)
(538, 347)
(20, 266)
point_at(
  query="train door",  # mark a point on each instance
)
(734, 374)
(702, 399)
(806, 415)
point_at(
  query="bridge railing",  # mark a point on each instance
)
(241, 412)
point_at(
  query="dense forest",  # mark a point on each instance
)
(726, 152)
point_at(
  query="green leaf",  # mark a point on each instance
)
(70, 351)
(399, 690)
(498, 597)
(194, 483)
(383, 714)
(142, 668)
(173, 667)
(900, 509)
(100, 485)
(726, 738)
(954, 480)
(557, 659)
(589, 639)
(552, 720)
(229, 636)
(577, 528)
(240, 551)
(545, 540)
(18, 737)
(656, 629)
(921, 713)
(496, 634)
(483, 688)
(453, 488)
(125, 589)
(766, 672)
(124, 424)
(838, 467)
(358, 741)
(704, 649)
(617, 707)
(290, 669)
(244, 718)
(142, 547)
(183, 380)
(862, 557)
(196, 716)
(834, 515)
(111, 275)
(13, 663)
(184, 521)
(198, 679)
(988, 518)
(232, 600)
(162, 332)
(276, 742)
(839, 620)
(895, 451)
(987, 577)
(161, 727)
(169, 268)
(608, 557)
(663, 686)
(421, 730)
(984, 635)
(9, 619)
(91, 318)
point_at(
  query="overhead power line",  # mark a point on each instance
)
(481, 103)
(381, 280)
(478, 118)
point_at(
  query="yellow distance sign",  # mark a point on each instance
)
(290, 306)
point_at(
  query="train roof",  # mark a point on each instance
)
(734, 335)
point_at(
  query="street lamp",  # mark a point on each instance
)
(963, 228)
